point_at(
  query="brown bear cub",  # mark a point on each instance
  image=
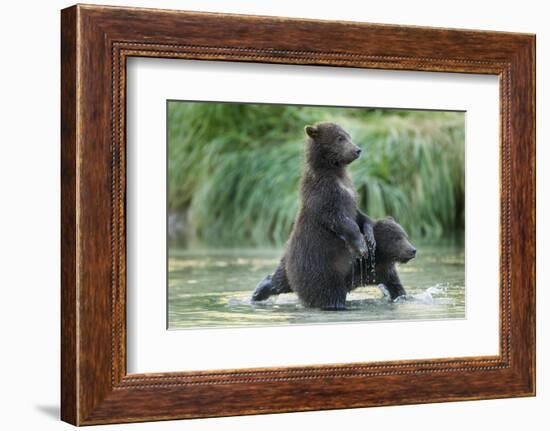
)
(392, 247)
(329, 232)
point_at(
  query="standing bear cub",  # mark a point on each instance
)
(329, 232)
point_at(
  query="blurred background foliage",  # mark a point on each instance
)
(234, 169)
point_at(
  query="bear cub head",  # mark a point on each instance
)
(330, 145)
(392, 242)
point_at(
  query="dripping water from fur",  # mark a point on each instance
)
(372, 257)
(362, 279)
(352, 273)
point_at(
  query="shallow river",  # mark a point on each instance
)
(212, 288)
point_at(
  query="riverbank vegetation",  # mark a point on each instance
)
(233, 169)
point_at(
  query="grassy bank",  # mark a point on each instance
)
(233, 169)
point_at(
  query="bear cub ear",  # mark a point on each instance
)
(311, 131)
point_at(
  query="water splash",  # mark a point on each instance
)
(429, 296)
(239, 300)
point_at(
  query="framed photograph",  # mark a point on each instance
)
(265, 214)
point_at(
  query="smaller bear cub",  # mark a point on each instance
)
(392, 247)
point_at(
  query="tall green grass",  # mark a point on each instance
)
(233, 169)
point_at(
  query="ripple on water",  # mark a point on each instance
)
(203, 293)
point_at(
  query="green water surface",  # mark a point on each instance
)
(212, 288)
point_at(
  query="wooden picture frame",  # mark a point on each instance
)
(96, 41)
